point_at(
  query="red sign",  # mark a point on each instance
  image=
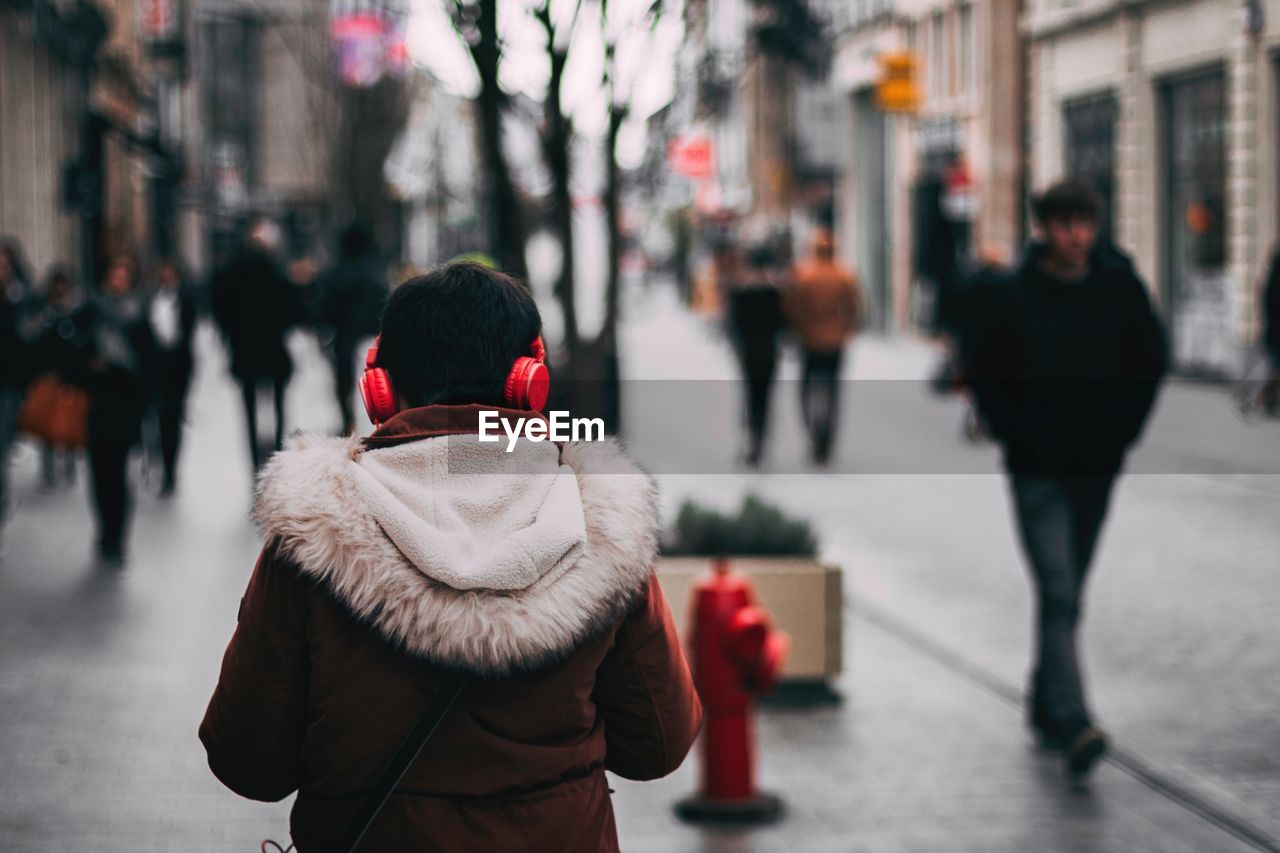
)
(157, 19)
(690, 156)
(368, 46)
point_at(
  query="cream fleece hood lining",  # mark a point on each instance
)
(461, 553)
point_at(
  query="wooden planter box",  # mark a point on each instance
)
(804, 597)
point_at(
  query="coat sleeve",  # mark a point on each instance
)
(1147, 356)
(791, 301)
(255, 723)
(220, 302)
(988, 360)
(188, 315)
(646, 695)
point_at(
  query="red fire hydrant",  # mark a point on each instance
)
(735, 654)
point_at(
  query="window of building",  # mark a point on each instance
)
(968, 50)
(1197, 290)
(1090, 124)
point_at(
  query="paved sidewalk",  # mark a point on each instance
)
(917, 759)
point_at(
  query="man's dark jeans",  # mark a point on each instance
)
(1059, 518)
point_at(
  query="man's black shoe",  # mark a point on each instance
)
(1084, 751)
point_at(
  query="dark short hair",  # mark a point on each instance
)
(1067, 199)
(452, 335)
(355, 240)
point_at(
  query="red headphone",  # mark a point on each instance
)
(526, 387)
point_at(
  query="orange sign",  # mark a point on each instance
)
(896, 90)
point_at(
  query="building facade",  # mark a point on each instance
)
(945, 179)
(43, 73)
(1170, 110)
(74, 146)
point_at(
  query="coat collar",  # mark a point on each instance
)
(435, 421)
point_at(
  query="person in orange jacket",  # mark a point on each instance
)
(823, 306)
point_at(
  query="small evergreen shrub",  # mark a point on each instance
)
(758, 529)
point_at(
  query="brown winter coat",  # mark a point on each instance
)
(344, 635)
(822, 304)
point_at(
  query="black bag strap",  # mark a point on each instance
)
(399, 764)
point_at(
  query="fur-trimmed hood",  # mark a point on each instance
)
(461, 553)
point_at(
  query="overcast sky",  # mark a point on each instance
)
(645, 58)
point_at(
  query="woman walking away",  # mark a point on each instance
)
(422, 565)
(61, 331)
(173, 323)
(255, 305)
(122, 349)
(352, 293)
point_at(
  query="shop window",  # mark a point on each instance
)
(1198, 124)
(1195, 281)
(1091, 144)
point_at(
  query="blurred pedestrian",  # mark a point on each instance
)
(255, 305)
(61, 331)
(1269, 397)
(754, 297)
(403, 579)
(965, 297)
(172, 316)
(1064, 363)
(15, 363)
(823, 307)
(351, 295)
(121, 354)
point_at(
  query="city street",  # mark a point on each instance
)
(767, 243)
(1180, 630)
(106, 673)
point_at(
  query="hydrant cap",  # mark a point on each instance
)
(745, 635)
(771, 661)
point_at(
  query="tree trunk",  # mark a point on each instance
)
(506, 227)
(613, 218)
(557, 136)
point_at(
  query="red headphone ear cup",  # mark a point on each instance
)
(528, 384)
(379, 395)
(538, 387)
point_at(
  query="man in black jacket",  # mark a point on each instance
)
(1064, 358)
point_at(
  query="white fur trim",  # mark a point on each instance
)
(310, 503)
